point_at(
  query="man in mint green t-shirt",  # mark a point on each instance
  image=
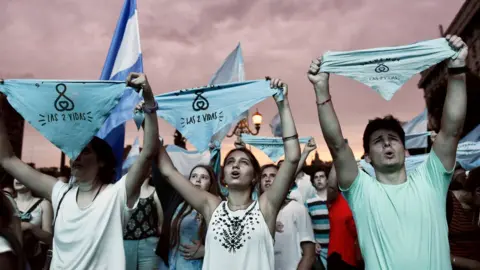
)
(400, 219)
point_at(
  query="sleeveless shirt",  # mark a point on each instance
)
(238, 240)
(144, 220)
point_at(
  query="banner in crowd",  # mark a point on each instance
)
(199, 113)
(67, 113)
(385, 70)
(273, 147)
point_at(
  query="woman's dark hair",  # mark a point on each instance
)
(256, 165)
(104, 152)
(16, 259)
(187, 209)
(388, 123)
(6, 211)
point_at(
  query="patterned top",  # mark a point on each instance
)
(144, 220)
(238, 240)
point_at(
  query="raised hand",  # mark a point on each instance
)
(310, 146)
(279, 84)
(317, 78)
(140, 81)
(457, 44)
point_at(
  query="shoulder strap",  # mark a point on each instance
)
(58, 206)
(449, 207)
(34, 206)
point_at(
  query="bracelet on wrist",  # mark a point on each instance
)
(293, 137)
(150, 109)
(457, 70)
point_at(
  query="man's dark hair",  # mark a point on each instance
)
(387, 123)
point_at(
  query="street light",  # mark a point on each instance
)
(243, 126)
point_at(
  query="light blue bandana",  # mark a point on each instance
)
(387, 69)
(272, 146)
(67, 113)
(201, 112)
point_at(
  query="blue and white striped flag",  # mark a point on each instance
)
(416, 134)
(132, 156)
(468, 152)
(232, 70)
(124, 56)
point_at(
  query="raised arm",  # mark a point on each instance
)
(305, 153)
(200, 200)
(332, 191)
(36, 181)
(272, 199)
(341, 152)
(455, 107)
(139, 170)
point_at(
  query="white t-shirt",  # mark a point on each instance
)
(92, 237)
(304, 190)
(297, 228)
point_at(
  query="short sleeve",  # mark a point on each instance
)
(356, 192)
(58, 190)
(436, 174)
(304, 224)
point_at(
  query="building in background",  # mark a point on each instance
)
(466, 24)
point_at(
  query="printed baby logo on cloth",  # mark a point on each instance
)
(386, 69)
(67, 113)
(271, 146)
(201, 112)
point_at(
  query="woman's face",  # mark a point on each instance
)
(19, 187)
(238, 170)
(200, 178)
(86, 165)
(267, 177)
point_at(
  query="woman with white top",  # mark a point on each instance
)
(241, 230)
(90, 214)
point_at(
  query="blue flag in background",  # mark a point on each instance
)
(124, 56)
(132, 156)
(416, 135)
(232, 70)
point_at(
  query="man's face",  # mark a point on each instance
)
(387, 152)
(320, 180)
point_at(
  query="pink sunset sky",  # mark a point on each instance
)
(184, 42)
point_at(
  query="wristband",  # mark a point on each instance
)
(147, 109)
(457, 70)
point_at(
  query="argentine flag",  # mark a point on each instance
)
(416, 135)
(132, 156)
(124, 56)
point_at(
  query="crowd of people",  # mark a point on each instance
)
(336, 217)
